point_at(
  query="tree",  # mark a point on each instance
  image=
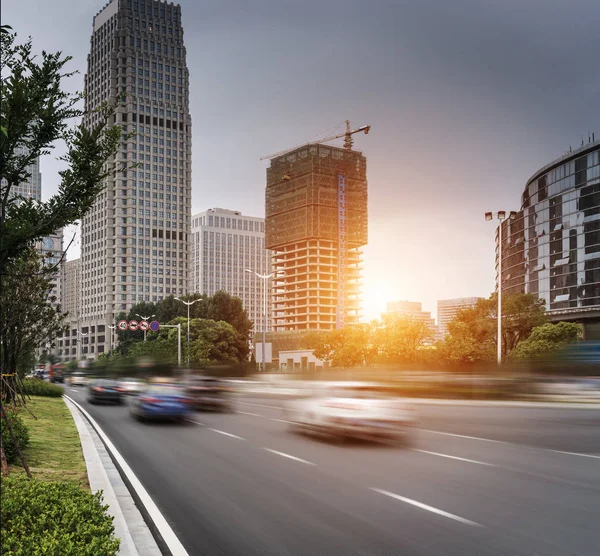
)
(30, 320)
(36, 113)
(473, 331)
(351, 346)
(399, 337)
(547, 339)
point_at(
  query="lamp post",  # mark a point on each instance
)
(79, 335)
(500, 215)
(111, 327)
(189, 304)
(144, 318)
(265, 278)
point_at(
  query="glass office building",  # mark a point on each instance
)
(551, 247)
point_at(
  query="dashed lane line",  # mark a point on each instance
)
(454, 457)
(426, 507)
(283, 454)
(228, 434)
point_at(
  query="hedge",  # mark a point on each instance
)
(38, 387)
(54, 519)
(19, 430)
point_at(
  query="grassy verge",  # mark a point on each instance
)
(54, 452)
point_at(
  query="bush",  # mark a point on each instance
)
(20, 431)
(38, 387)
(54, 519)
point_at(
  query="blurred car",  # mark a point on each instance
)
(79, 379)
(132, 386)
(104, 390)
(353, 410)
(162, 401)
(207, 393)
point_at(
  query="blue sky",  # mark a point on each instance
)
(466, 99)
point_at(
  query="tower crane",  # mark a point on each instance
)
(347, 135)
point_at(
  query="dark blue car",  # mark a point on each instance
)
(162, 401)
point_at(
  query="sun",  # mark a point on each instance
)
(375, 297)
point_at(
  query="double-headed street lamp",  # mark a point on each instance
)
(111, 327)
(500, 215)
(146, 319)
(189, 304)
(265, 278)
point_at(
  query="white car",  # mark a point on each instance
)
(79, 379)
(353, 410)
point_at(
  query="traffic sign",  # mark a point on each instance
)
(154, 326)
(122, 325)
(133, 325)
(144, 325)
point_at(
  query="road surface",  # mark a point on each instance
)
(476, 481)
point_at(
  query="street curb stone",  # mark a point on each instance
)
(130, 527)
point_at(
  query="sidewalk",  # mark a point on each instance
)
(130, 527)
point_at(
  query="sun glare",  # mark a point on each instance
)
(376, 295)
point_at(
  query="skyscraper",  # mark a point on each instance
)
(134, 241)
(316, 224)
(225, 244)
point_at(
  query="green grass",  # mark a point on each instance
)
(54, 452)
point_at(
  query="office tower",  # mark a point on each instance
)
(225, 244)
(447, 309)
(66, 347)
(551, 247)
(316, 224)
(32, 187)
(134, 241)
(412, 310)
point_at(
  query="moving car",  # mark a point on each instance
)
(353, 410)
(104, 390)
(132, 386)
(207, 393)
(79, 379)
(162, 401)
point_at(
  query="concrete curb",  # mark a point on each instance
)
(130, 527)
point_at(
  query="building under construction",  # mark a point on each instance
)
(316, 224)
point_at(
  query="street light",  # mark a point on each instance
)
(112, 327)
(500, 215)
(189, 304)
(265, 278)
(145, 318)
(79, 334)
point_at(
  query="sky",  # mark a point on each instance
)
(466, 99)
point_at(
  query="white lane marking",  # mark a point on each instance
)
(228, 434)
(167, 534)
(576, 454)
(246, 413)
(426, 507)
(281, 420)
(261, 405)
(290, 457)
(465, 436)
(265, 417)
(197, 422)
(454, 457)
(73, 389)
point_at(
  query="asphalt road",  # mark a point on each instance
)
(476, 481)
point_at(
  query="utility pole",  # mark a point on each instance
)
(189, 304)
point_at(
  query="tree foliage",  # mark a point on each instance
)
(36, 113)
(30, 320)
(349, 347)
(548, 339)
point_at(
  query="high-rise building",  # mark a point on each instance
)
(134, 241)
(66, 345)
(447, 309)
(32, 187)
(225, 244)
(551, 247)
(316, 224)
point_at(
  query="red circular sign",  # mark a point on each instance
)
(144, 325)
(122, 325)
(133, 325)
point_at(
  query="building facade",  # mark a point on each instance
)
(134, 241)
(66, 345)
(551, 247)
(447, 309)
(226, 243)
(316, 225)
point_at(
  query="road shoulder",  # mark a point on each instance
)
(130, 527)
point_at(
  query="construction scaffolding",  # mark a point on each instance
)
(316, 223)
